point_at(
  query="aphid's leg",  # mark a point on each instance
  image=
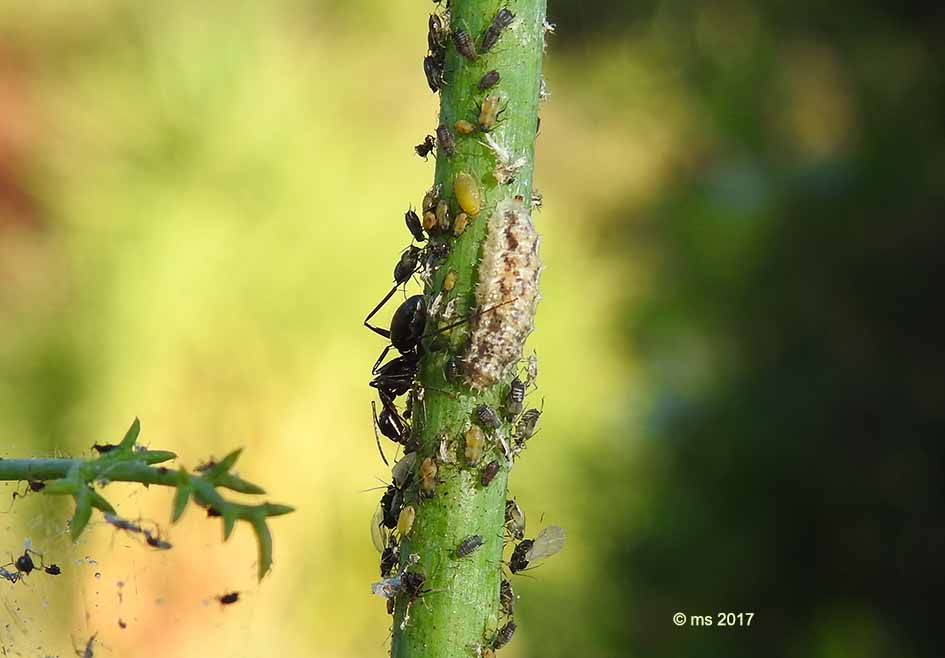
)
(16, 493)
(376, 436)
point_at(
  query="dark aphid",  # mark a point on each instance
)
(206, 466)
(469, 545)
(229, 598)
(548, 542)
(425, 147)
(487, 416)
(464, 44)
(390, 506)
(36, 485)
(389, 558)
(52, 569)
(506, 598)
(433, 70)
(489, 471)
(518, 561)
(502, 20)
(527, 424)
(412, 584)
(504, 636)
(515, 398)
(447, 143)
(154, 541)
(514, 519)
(102, 448)
(213, 511)
(489, 80)
(435, 33)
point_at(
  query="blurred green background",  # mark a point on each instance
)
(741, 361)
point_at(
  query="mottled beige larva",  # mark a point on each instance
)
(507, 295)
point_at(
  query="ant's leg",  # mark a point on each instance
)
(376, 437)
(381, 332)
(380, 358)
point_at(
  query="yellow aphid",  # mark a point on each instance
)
(460, 223)
(443, 215)
(428, 471)
(475, 442)
(449, 280)
(467, 193)
(429, 220)
(464, 127)
(429, 201)
(405, 520)
(489, 112)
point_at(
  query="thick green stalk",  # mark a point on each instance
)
(460, 612)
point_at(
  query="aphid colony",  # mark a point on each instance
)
(423, 324)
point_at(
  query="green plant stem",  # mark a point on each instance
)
(126, 462)
(461, 610)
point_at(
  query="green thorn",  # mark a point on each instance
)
(230, 514)
(155, 456)
(264, 539)
(131, 435)
(181, 496)
(275, 509)
(97, 501)
(236, 483)
(83, 512)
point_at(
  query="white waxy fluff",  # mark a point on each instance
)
(506, 295)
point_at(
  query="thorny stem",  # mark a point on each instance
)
(460, 613)
(127, 462)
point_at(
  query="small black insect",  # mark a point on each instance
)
(52, 569)
(154, 541)
(229, 598)
(489, 80)
(445, 136)
(469, 545)
(487, 416)
(527, 424)
(518, 561)
(412, 585)
(433, 70)
(391, 503)
(502, 20)
(435, 33)
(425, 148)
(213, 511)
(24, 563)
(488, 473)
(504, 636)
(506, 598)
(389, 558)
(514, 399)
(464, 44)
(102, 448)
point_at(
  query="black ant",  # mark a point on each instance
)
(229, 598)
